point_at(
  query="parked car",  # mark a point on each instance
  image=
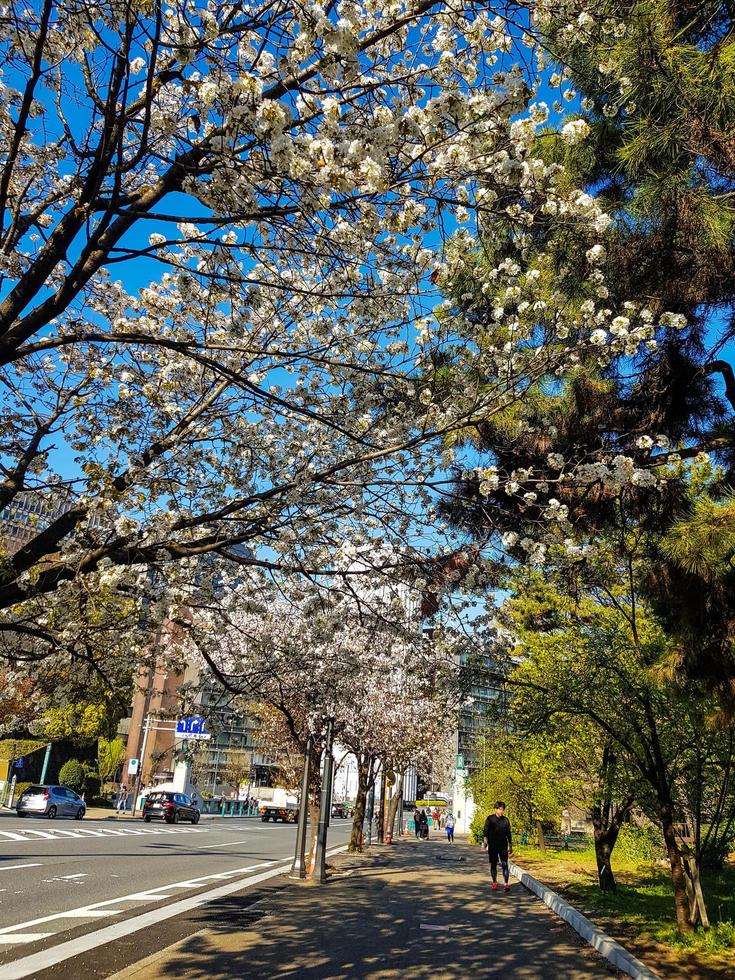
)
(51, 802)
(170, 807)
(340, 810)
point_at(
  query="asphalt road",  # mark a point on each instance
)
(63, 880)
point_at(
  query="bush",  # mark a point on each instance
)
(72, 774)
(92, 784)
(477, 826)
(643, 844)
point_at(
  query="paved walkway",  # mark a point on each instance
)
(416, 910)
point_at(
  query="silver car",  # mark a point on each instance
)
(51, 802)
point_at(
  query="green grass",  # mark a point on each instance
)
(644, 899)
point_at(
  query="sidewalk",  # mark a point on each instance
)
(415, 910)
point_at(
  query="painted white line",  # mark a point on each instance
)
(14, 867)
(36, 962)
(24, 937)
(145, 897)
(11, 836)
(39, 833)
(90, 913)
(69, 877)
(229, 843)
(151, 895)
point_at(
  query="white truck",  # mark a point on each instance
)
(278, 804)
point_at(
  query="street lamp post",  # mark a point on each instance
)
(139, 777)
(298, 868)
(325, 805)
(381, 812)
(370, 812)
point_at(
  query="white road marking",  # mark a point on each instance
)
(24, 937)
(91, 913)
(152, 895)
(144, 897)
(15, 867)
(30, 965)
(40, 836)
(229, 843)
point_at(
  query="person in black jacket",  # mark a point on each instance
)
(496, 837)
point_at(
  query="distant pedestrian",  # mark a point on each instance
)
(450, 828)
(496, 837)
(424, 825)
(417, 823)
(122, 799)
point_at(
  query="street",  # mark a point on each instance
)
(64, 880)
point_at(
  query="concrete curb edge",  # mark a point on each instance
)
(613, 952)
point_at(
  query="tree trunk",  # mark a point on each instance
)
(604, 844)
(540, 833)
(315, 790)
(393, 806)
(358, 816)
(314, 810)
(697, 907)
(678, 875)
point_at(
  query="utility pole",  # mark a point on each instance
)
(369, 813)
(381, 811)
(44, 768)
(325, 805)
(146, 730)
(298, 868)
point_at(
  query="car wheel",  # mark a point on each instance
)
(51, 813)
(175, 818)
(22, 813)
(195, 818)
(146, 818)
(264, 819)
(80, 813)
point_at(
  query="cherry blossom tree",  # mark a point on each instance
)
(223, 230)
(361, 659)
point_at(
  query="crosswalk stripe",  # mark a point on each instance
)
(57, 834)
(25, 937)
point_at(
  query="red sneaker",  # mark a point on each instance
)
(495, 886)
(507, 888)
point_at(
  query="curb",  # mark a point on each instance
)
(613, 952)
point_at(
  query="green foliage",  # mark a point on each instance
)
(13, 748)
(110, 755)
(528, 774)
(72, 774)
(20, 788)
(91, 785)
(79, 721)
(642, 845)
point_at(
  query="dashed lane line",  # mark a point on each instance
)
(17, 867)
(228, 843)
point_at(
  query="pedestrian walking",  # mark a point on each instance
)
(450, 828)
(121, 803)
(435, 819)
(496, 837)
(417, 823)
(425, 825)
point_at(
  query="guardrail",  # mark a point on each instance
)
(228, 808)
(567, 842)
